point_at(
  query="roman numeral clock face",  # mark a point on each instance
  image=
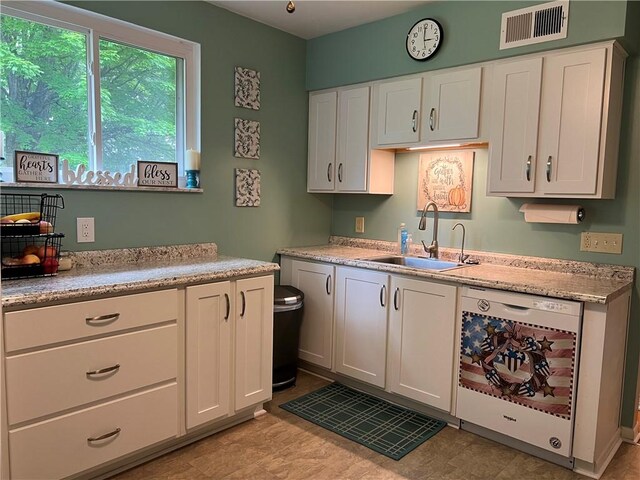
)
(424, 39)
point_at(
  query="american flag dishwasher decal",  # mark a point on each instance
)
(518, 368)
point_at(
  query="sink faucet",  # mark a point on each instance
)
(432, 249)
(461, 257)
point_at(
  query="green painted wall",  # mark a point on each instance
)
(377, 50)
(471, 34)
(287, 215)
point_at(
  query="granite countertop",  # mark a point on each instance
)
(586, 282)
(136, 270)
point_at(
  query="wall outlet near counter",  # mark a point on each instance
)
(359, 224)
(85, 230)
(601, 242)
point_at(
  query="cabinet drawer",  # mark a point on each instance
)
(60, 447)
(46, 325)
(47, 381)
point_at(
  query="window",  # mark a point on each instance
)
(97, 91)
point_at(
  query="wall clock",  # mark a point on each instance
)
(424, 39)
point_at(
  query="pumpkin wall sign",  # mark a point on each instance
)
(446, 178)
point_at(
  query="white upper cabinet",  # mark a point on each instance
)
(322, 141)
(397, 112)
(452, 105)
(514, 137)
(571, 150)
(340, 158)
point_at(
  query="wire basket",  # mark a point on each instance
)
(31, 256)
(28, 214)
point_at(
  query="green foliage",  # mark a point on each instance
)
(44, 96)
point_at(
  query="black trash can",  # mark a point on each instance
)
(287, 317)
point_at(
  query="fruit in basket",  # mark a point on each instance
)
(23, 221)
(45, 227)
(11, 262)
(30, 260)
(6, 220)
(49, 266)
(30, 250)
(47, 252)
(21, 216)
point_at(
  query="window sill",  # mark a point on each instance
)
(101, 188)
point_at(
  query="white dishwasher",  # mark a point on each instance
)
(518, 366)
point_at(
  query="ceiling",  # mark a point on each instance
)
(313, 18)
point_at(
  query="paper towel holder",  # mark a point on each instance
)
(548, 213)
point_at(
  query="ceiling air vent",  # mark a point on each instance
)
(540, 23)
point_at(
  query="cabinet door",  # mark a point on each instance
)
(570, 122)
(421, 340)
(399, 111)
(515, 103)
(322, 141)
(208, 352)
(316, 332)
(353, 140)
(453, 105)
(254, 341)
(361, 321)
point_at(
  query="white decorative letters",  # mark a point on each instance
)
(82, 176)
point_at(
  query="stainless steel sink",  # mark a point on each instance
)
(419, 262)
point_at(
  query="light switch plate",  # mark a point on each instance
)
(601, 242)
(359, 224)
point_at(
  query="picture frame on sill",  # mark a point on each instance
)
(157, 174)
(35, 167)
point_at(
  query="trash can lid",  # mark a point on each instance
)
(286, 295)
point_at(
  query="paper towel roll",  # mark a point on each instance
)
(544, 213)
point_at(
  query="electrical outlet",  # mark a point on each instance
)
(601, 242)
(359, 224)
(85, 230)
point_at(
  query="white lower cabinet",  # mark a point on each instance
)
(208, 353)
(89, 382)
(75, 442)
(315, 280)
(361, 324)
(421, 340)
(224, 375)
(254, 341)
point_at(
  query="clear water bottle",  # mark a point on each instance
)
(403, 239)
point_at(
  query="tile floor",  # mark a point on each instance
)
(280, 446)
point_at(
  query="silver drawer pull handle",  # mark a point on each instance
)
(105, 436)
(329, 170)
(383, 294)
(102, 371)
(102, 319)
(549, 169)
(244, 304)
(431, 119)
(328, 285)
(414, 121)
(226, 297)
(528, 171)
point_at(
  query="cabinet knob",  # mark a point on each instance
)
(414, 120)
(244, 303)
(102, 319)
(432, 121)
(383, 294)
(105, 436)
(528, 170)
(396, 297)
(102, 371)
(549, 169)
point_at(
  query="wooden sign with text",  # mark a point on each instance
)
(34, 167)
(157, 174)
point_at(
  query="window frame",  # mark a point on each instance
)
(97, 26)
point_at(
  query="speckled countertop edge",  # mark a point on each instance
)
(123, 274)
(566, 284)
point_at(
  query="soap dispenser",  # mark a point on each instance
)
(403, 239)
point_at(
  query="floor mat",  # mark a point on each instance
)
(379, 425)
